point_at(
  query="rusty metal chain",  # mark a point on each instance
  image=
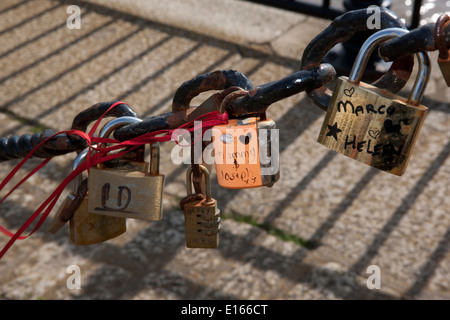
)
(417, 40)
(312, 78)
(256, 101)
(16, 147)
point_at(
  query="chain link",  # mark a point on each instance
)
(417, 40)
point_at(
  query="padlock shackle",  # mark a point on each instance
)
(439, 36)
(368, 47)
(207, 181)
(112, 125)
(79, 160)
(423, 76)
(154, 158)
(373, 42)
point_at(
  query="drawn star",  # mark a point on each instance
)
(333, 130)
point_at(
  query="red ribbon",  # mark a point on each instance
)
(102, 154)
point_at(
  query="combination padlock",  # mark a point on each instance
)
(246, 153)
(131, 190)
(87, 228)
(444, 53)
(373, 125)
(201, 215)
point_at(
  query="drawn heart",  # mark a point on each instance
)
(374, 134)
(390, 127)
(245, 139)
(350, 92)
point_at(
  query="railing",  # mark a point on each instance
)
(325, 10)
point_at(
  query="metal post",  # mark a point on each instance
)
(415, 21)
(343, 55)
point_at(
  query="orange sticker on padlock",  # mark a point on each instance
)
(236, 154)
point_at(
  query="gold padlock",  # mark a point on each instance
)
(87, 228)
(246, 153)
(202, 218)
(372, 125)
(128, 191)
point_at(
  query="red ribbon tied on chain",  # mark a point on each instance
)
(102, 154)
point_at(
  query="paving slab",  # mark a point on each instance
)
(313, 235)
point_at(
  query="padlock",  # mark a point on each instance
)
(87, 228)
(68, 207)
(246, 153)
(444, 53)
(131, 190)
(372, 125)
(201, 215)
